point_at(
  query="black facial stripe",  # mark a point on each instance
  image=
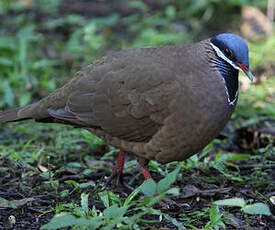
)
(230, 76)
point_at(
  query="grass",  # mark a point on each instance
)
(64, 169)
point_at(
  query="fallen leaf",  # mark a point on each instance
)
(212, 192)
(189, 191)
(40, 166)
(17, 203)
(272, 200)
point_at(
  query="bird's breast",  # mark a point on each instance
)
(198, 114)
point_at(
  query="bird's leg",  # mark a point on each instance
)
(142, 165)
(118, 169)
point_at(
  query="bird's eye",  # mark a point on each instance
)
(228, 53)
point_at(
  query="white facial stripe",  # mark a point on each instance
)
(221, 55)
(227, 94)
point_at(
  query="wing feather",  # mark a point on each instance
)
(130, 100)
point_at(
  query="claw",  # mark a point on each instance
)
(117, 171)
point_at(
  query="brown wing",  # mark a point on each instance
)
(127, 98)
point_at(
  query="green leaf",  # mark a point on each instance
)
(170, 12)
(44, 63)
(233, 222)
(175, 222)
(104, 198)
(6, 203)
(214, 214)
(114, 198)
(165, 183)
(218, 157)
(64, 193)
(139, 5)
(107, 21)
(8, 43)
(131, 196)
(109, 198)
(6, 61)
(84, 203)
(74, 183)
(62, 221)
(234, 157)
(114, 211)
(24, 99)
(232, 202)
(173, 191)
(86, 185)
(257, 209)
(8, 93)
(94, 211)
(149, 187)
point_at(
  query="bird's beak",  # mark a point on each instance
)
(245, 70)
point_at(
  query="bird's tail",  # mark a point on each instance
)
(14, 115)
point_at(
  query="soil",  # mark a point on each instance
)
(29, 192)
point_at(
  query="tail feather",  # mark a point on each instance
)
(12, 115)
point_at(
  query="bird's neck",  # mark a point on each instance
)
(230, 76)
(229, 73)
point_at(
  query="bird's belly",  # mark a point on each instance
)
(187, 132)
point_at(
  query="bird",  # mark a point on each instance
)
(161, 103)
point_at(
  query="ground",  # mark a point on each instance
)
(54, 176)
(56, 165)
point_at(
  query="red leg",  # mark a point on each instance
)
(120, 162)
(145, 171)
(142, 165)
(118, 169)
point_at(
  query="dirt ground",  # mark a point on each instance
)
(198, 187)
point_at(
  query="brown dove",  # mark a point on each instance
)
(159, 103)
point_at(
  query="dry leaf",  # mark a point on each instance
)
(18, 203)
(40, 166)
(272, 200)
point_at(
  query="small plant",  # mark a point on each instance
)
(76, 186)
(150, 187)
(252, 209)
(117, 214)
(216, 219)
(222, 163)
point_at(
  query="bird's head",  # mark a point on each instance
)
(234, 50)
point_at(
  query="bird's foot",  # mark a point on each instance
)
(117, 172)
(117, 176)
(142, 165)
